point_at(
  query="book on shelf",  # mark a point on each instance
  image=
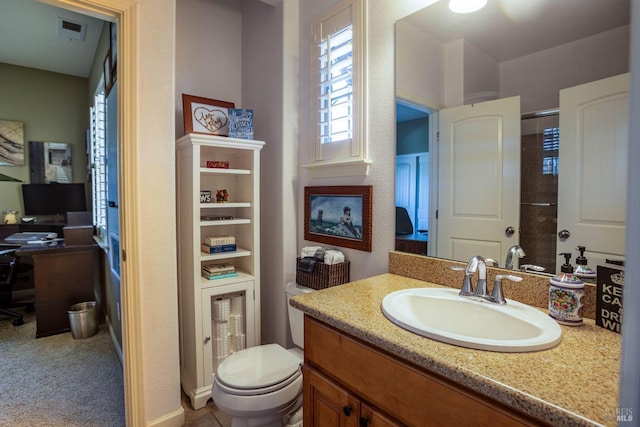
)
(218, 268)
(218, 240)
(218, 248)
(219, 276)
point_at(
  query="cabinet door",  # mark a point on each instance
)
(227, 324)
(326, 404)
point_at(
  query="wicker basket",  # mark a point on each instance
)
(324, 276)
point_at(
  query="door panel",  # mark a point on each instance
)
(479, 179)
(592, 179)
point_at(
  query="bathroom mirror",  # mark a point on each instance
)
(50, 162)
(446, 60)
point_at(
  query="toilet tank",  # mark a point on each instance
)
(296, 317)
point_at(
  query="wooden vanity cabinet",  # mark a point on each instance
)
(348, 382)
(328, 404)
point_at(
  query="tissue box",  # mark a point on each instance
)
(324, 276)
(78, 235)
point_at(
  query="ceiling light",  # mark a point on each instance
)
(466, 6)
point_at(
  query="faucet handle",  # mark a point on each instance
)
(497, 295)
(467, 287)
(530, 267)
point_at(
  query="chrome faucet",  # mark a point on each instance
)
(514, 250)
(478, 263)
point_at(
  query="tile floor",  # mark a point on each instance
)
(209, 416)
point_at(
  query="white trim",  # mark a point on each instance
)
(339, 168)
(125, 12)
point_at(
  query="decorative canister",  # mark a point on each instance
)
(565, 296)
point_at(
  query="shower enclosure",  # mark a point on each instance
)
(539, 188)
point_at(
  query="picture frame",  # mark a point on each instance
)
(339, 215)
(113, 50)
(205, 116)
(106, 69)
(113, 44)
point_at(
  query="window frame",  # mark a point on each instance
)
(98, 151)
(346, 157)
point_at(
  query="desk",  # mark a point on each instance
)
(63, 276)
(415, 243)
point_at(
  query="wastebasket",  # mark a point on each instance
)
(83, 319)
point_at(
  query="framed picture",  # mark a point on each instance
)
(339, 216)
(106, 69)
(113, 48)
(113, 43)
(203, 115)
(11, 143)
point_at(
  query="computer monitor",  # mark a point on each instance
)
(53, 199)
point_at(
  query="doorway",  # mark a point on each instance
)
(412, 177)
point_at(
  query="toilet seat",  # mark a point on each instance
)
(258, 370)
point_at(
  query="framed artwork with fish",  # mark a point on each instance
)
(204, 115)
(339, 215)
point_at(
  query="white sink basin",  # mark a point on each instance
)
(443, 315)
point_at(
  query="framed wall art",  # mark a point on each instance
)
(339, 216)
(106, 70)
(203, 115)
(11, 143)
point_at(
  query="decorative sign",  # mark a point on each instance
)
(217, 164)
(203, 115)
(609, 298)
(205, 196)
(240, 123)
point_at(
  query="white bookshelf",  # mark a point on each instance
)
(200, 299)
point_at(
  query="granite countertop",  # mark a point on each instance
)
(572, 384)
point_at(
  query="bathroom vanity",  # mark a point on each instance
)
(361, 369)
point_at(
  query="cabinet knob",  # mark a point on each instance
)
(207, 339)
(364, 422)
(347, 410)
(564, 234)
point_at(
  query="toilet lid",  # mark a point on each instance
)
(258, 367)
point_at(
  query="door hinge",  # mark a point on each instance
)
(437, 211)
(438, 137)
(123, 255)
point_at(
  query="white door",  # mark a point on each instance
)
(592, 177)
(406, 184)
(479, 180)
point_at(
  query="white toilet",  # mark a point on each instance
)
(262, 386)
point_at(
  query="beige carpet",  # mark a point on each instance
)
(58, 381)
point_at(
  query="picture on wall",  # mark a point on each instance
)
(50, 162)
(11, 143)
(203, 115)
(339, 215)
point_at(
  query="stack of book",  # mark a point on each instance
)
(217, 244)
(218, 271)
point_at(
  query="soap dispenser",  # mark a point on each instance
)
(583, 270)
(565, 295)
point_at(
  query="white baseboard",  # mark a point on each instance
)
(114, 341)
(172, 419)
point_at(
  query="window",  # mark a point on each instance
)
(335, 84)
(338, 64)
(98, 164)
(550, 147)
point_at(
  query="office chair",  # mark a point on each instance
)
(403, 222)
(8, 272)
